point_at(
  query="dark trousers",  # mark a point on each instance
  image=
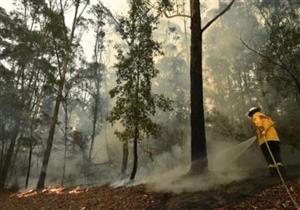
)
(275, 149)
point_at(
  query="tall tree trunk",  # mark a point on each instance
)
(107, 147)
(1, 155)
(65, 141)
(124, 158)
(9, 155)
(198, 140)
(15, 156)
(97, 96)
(66, 60)
(29, 166)
(42, 177)
(95, 116)
(135, 154)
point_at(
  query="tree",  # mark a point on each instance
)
(198, 138)
(280, 49)
(278, 63)
(231, 84)
(198, 141)
(64, 41)
(23, 66)
(97, 69)
(135, 102)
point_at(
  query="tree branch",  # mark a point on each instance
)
(264, 17)
(280, 64)
(262, 55)
(109, 13)
(164, 11)
(219, 15)
(175, 15)
(82, 11)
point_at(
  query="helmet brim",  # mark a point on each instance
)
(252, 112)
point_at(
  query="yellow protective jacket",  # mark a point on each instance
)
(264, 123)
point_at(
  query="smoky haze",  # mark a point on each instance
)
(233, 81)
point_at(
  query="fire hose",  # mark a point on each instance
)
(279, 172)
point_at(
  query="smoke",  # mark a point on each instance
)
(223, 155)
(226, 64)
(169, 170)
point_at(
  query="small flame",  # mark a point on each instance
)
(76, 190)
(25, 194)
(50, 190)
(57, 190)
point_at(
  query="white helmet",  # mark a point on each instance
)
(252, 110)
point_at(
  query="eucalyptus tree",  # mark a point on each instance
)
(23, 60)
(97, 70)
(66, 42)
(198, 137)
(135, 102)
(231, 70)
(281, 21)
(278, 65)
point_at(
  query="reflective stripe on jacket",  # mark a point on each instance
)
(264, 123)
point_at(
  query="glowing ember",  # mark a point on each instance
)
(25, 194)
(57, 190)
(50, 190)
(78, 190)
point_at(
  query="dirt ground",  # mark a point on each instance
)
(256, 193)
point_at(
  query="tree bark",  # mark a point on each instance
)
(1, 155)
(42, 177)
(68, 48)
(107, 147)
(95, 116)
(124, 158)
(135, 154)
(9, 155)
(29, 166)
(65, 140)
(198, 139)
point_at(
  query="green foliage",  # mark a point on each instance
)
(78, 139)
(231, 85)
(135, 102)
(166, 5)
(280, 67)
(28, 141)
(282, 47)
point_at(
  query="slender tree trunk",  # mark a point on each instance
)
(29, 166)
(9, 155)
(66, 60)
(1, 155)
(65, 142)
(95, 116)
(97, 96)
(198, 141)
(124, 158)
(135, 154)
(297, 83)
(42, 177)
(107, 147)
(15, 156)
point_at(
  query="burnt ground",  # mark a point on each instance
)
(257, 192)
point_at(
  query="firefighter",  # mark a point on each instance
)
(267, 135)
